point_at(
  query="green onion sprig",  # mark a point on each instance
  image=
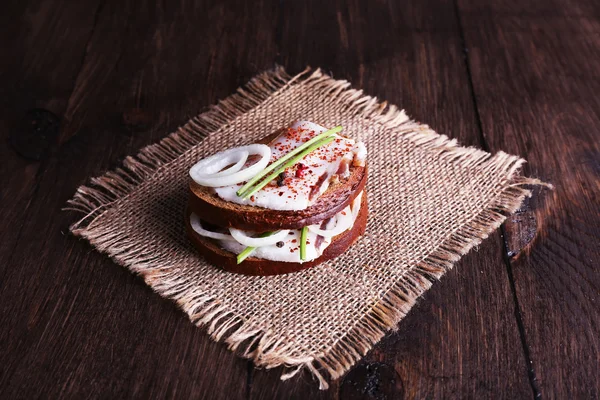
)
(249, 250)
(303, 236)
(282, 163)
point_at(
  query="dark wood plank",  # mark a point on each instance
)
(77, 325)
(43, 45)
(545, 53)
(460, 340)
(39, 66)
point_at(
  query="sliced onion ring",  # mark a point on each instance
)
(243, 156)
(209, 171)
(343, 222)
(197, 227)
(250, 241)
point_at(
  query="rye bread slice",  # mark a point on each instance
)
(256, 266)
(217, 211)
(214, 210)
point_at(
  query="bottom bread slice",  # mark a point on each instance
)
(226, 260)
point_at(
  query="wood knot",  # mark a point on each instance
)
(375, 380)
(137, 119)
(35, 134)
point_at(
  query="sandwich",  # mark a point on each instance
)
(289, 202)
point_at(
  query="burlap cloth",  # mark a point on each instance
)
(430, 202)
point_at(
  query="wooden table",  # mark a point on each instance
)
(517, 318)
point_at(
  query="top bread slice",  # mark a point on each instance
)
(209, 207)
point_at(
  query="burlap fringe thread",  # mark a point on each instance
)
(260, 346)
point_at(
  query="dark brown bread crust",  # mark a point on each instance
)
(216, 211)
(257, 266)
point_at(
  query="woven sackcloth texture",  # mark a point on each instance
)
(430, 202)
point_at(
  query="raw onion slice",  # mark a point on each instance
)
(209, 171)
(343, 222)
(235, 167)
(197, 227)
(250, 241)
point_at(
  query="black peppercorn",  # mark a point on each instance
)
(281, 178)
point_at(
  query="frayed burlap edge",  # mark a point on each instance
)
(262, 346)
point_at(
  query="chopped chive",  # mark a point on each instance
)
(282, 168)
(286, 157)
(244, 254)
(303, 243)
(249, 250)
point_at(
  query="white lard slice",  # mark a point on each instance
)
(299, 190)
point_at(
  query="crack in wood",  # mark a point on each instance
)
(517, 243)
(537, 394)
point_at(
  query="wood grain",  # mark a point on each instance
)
(460, 339)
(546, 56)
(33, 75)
(515, 319)
(81, 326)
